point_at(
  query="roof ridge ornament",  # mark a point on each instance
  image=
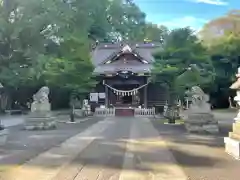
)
(126, 48)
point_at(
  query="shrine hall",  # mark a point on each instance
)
(123, 71)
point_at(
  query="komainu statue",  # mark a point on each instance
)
(199, 98)
(40, 100)
(199, 116)
(42, 95)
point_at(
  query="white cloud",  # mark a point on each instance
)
(213, 2)
(186, 21)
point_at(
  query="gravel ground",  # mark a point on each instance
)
(23, 145)
(202, 157)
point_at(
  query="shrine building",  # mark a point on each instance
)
(123, 71)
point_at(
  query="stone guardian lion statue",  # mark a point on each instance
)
(40, 100)
(42, 95)
(199, 98)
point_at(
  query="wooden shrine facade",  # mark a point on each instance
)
(123, 71)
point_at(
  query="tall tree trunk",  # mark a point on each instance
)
(171, 115)
(4, 102)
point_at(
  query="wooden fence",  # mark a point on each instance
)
(104, 112)
(138, 112)
(149, 112)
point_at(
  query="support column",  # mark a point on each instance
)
(187, 105)
(145, 96)
(106, 96)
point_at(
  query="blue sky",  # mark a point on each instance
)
(182, 13)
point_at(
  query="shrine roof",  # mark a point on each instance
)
(104, 51)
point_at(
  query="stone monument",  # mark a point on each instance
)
(40, 116)
(199, 117)
(232, 143)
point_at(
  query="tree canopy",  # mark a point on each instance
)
(49, 43)
(222, 38)
(183, 61)
(44, 41)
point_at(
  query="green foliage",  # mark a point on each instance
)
(224, 50)
(73, 70)
(48, 42)
(155, 33)
(225, 58)
(182, 62)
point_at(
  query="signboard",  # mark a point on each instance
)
(94, 97)
(101, 95)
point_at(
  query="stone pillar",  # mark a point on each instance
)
(232, 143)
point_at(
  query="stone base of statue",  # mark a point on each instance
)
(201, 120)
(201, 123)
(232, 147)
(40, 117)
(232, 143)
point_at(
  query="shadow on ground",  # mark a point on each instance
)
(105, 153)
(201, 156)
(178, 133)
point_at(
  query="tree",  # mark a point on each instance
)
(155, 33)
(225, 58)
(74, 69)
(182, 63)
(221, 36)
(26, 29)
(127, 20)
(22, 40)
(48, 42)
(214, 30)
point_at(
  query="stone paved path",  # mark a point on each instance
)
(113, 149)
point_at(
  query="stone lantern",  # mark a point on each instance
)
(232, 143)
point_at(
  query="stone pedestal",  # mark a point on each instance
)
(232, 143)
(40, 117)
(201, 123)
(232, 147)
